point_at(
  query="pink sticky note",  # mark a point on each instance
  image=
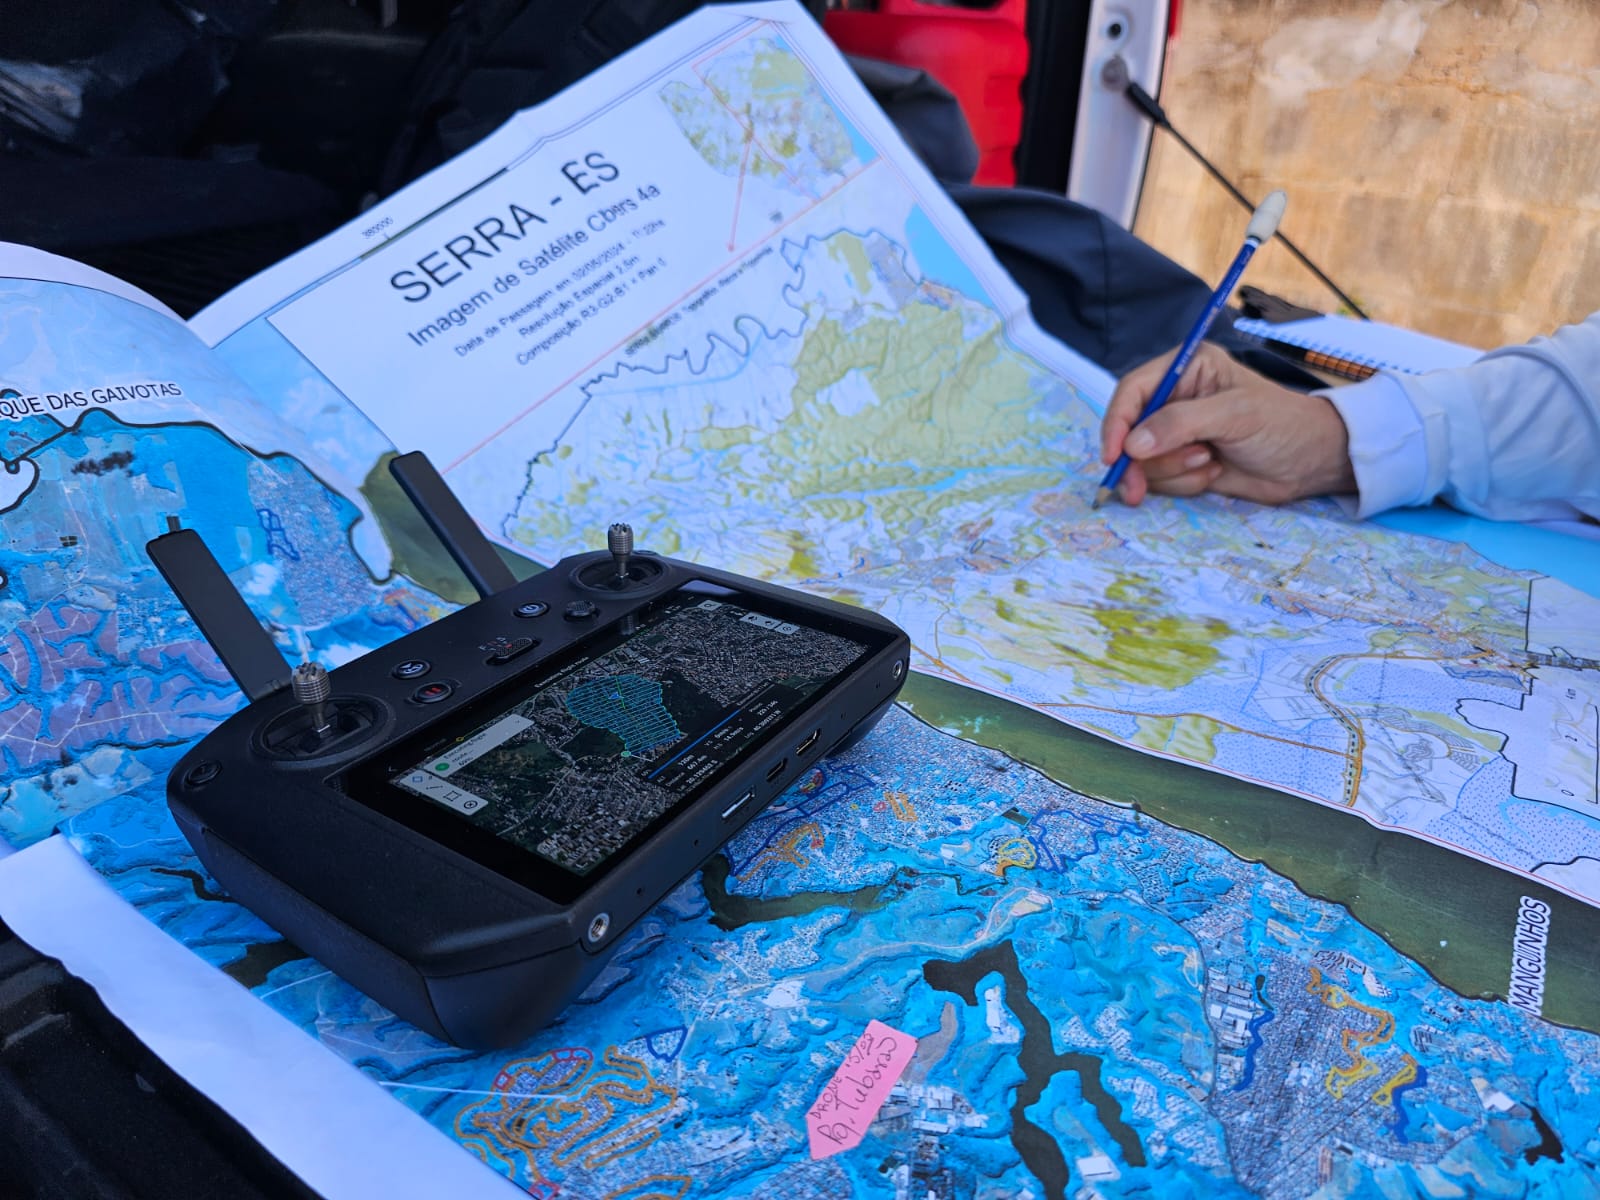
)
(849, 1104)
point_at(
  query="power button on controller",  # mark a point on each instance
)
(432, 693)
(533, 608)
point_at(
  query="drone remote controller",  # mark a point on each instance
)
(464, 823)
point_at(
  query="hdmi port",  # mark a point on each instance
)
(809, 742)
(777, 769)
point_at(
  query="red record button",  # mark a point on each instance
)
(432, 693)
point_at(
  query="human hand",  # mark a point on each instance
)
(1225, 429)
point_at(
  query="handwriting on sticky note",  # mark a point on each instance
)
(848, 1105)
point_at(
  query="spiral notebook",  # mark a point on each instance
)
(1366, 343)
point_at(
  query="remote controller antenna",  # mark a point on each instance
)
(311, 687)
(619, 540)
(1115, 75)
(203, 588)
(445, 515)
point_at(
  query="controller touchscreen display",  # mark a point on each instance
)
(594, 750)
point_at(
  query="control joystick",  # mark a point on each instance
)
(619, 540)
(628, 569)
(311, 686)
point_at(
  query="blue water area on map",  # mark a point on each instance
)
(865, 151)
(1098, 997)
(1250, 1050)
(938, 260)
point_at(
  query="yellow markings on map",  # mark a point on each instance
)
(1352, 727)
(945, 398)
(562, 1108)
(1357, 1042)
(1175, 720)
(791, 847)
(722, 437)
(1119, 640)
(900, 804)
(1014, 852)
(1490, 740)
(493, 1130)
(843, 510)
(1406, 1074)
(802, 556)
(1105, 647)
(776, 99)
(1341, 1079)
(1158, 651)
(1188, 735)
(849, 251)
(771, 71)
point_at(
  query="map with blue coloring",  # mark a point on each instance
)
(116, 425)
(1104, 1006)
(1162, 979)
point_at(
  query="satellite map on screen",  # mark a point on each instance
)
(609, 743)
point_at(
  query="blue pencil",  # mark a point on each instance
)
(1263, 224)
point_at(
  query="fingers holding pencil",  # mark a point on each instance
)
(1210, 371)
(1262, 224)
(1227, 430)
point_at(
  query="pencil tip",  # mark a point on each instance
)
(1100, 497)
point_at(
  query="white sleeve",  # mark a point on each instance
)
(1515, 436)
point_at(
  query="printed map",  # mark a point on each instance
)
(104, 680)
(854, 417)
(1106, 1003)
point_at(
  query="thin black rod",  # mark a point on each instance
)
(1146, 104)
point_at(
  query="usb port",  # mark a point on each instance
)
(809, 742)
(777, 769)
(738, 804)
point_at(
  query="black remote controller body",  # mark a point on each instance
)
(464, 823)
